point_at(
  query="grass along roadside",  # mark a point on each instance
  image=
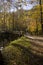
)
(17, 52)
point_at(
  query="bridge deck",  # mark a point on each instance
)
(14, 32)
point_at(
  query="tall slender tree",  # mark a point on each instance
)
(40, 2)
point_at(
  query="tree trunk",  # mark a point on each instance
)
(41, 15)
(13, 21)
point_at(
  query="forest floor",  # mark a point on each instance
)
(22, 52)
(29, 46)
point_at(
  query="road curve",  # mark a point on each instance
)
(36, 44)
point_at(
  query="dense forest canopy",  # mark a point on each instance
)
(24, 15)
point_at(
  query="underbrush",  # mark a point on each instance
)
(17, 53)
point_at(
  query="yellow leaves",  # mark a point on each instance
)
(26, 18)
(39, 26)
(32, 27)
(42, 7)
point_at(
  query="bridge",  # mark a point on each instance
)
(8, 36)
(13, 31)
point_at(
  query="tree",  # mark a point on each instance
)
(41, 14)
